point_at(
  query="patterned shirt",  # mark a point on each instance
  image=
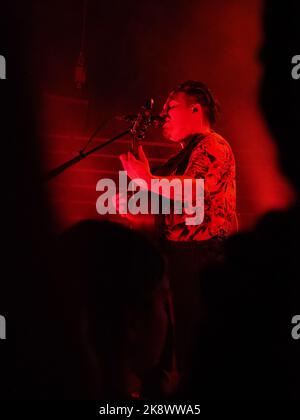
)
(212, 160)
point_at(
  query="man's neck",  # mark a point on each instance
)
(188, 138)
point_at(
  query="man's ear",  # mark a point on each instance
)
(196, 108)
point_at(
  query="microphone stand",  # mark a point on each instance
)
(81, 155)
(137, 130)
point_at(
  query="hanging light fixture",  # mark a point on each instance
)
(80, 69)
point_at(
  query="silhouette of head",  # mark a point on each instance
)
(118, 292)
(279, 92)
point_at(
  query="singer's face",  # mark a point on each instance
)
(178, 115)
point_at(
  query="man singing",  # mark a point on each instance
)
(189, 115)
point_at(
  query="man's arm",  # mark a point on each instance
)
(208, 161)
(140, 169)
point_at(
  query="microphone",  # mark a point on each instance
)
(144, 115)
(149, 104)
(155, 120)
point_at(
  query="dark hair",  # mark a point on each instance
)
(202, 95)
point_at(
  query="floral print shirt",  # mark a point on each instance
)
(212, 160)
